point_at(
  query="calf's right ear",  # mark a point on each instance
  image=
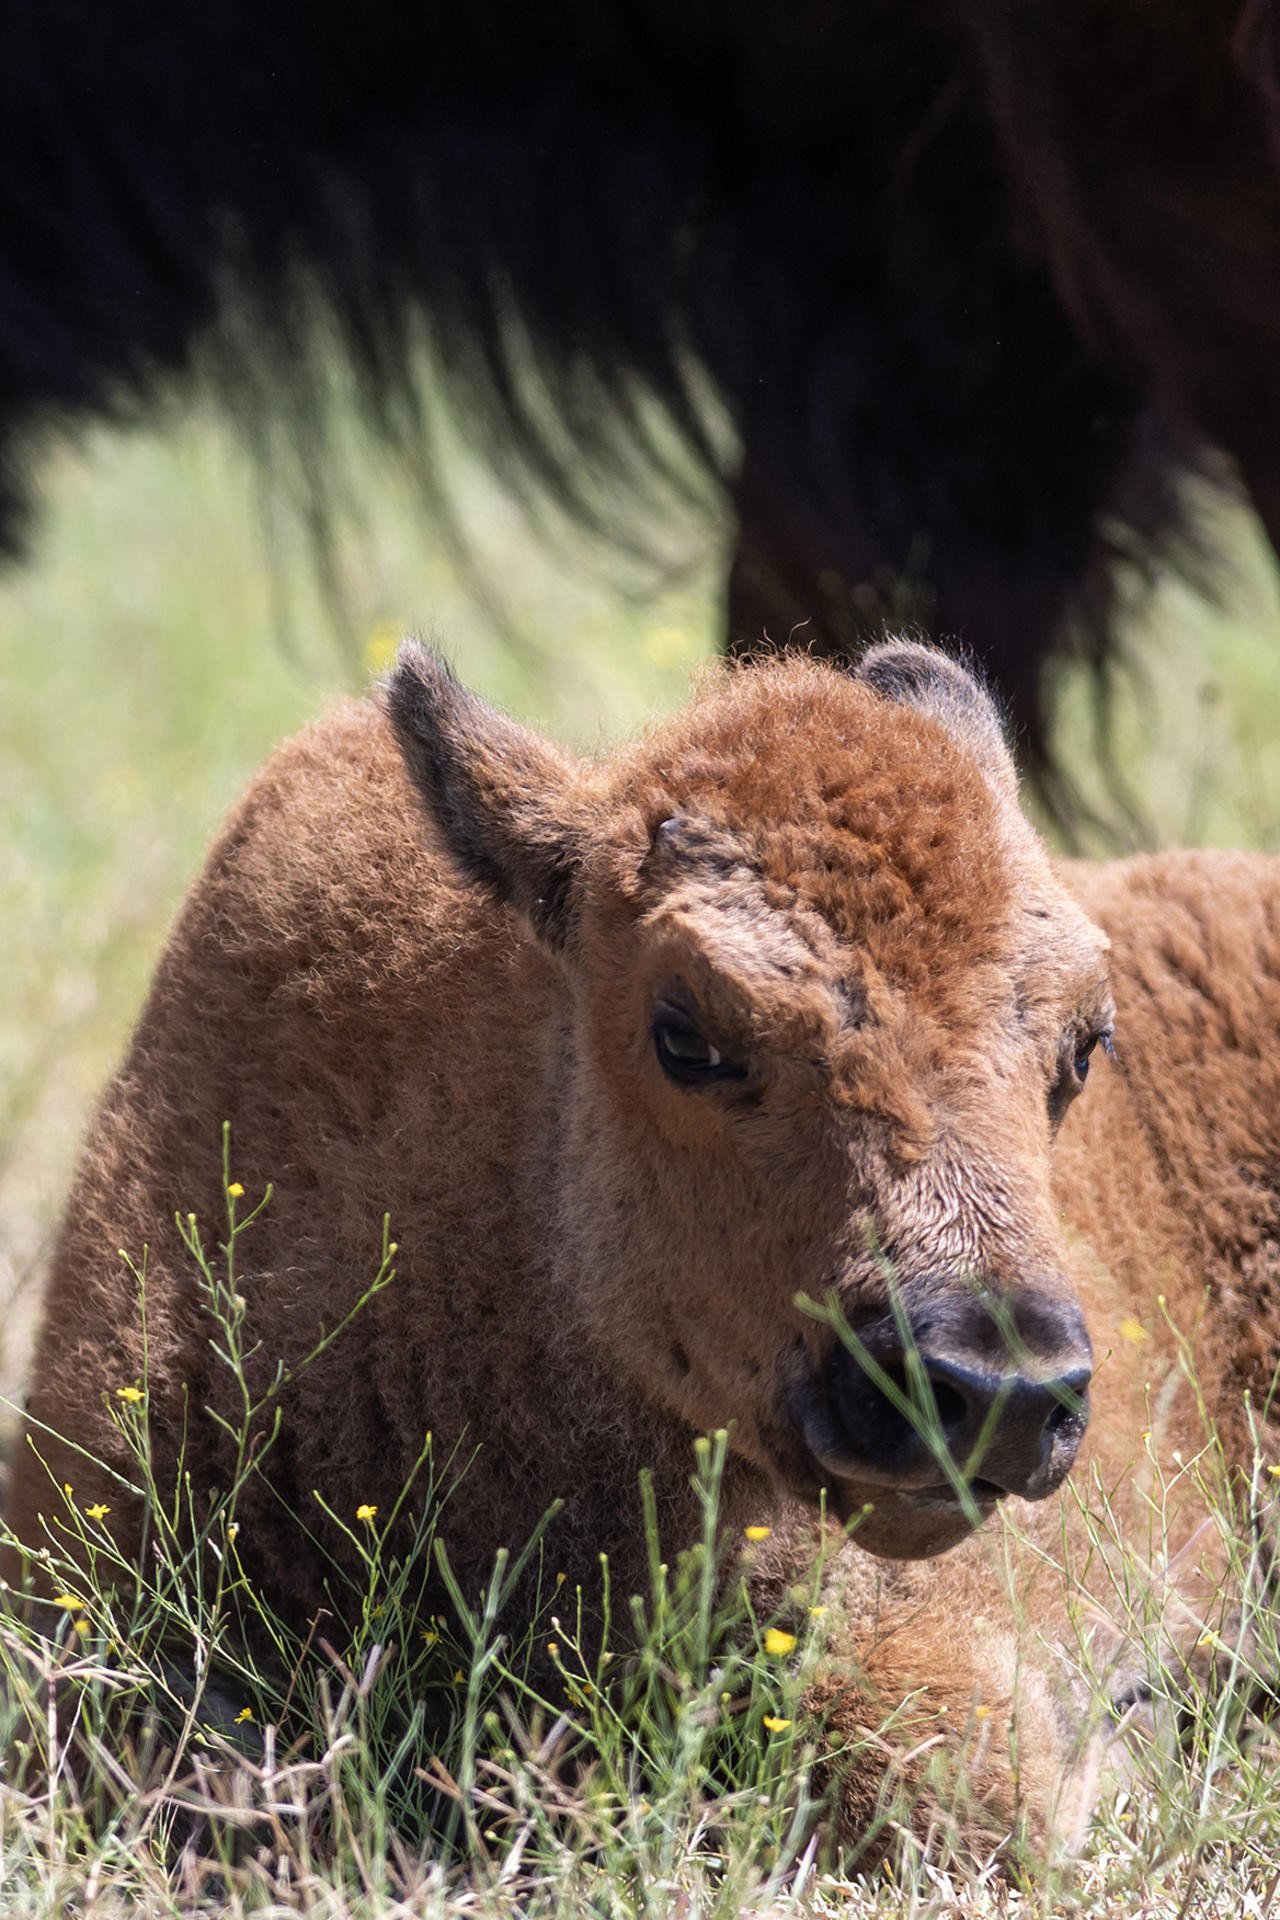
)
(501, 795)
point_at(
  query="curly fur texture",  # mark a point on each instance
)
(422, 977)
(975, 285)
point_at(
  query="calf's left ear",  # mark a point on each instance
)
(502, 797)
(912, 675)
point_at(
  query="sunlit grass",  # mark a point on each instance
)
(175, 1747)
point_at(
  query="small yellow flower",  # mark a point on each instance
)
(1132, 1330)
(68, 1489)
(382, 645)
(757, 1533)
(458, 1677)
(981, 1713)
(131, 1394)
(98, 1511)
(235, 1191)
(553, 1648)
(233, 1530)
(775, 1725)
(81, 1625)
(366, 1512)
(430, 1637)
(776, 1641)
(1209, 1639)
(71, 1601)
(817, 1613)
(1274, 1472)
(668, 647)
(245, 1713)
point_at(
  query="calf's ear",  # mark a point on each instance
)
(501, 795)
(912, 675)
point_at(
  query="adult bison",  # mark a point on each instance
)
(785, 1001)
(975, 285)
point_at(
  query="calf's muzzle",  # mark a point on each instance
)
(994, 1387)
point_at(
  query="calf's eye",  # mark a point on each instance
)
(1081, 1062)
(686, 1055)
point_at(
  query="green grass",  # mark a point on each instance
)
(150, 655)
(174, 1747)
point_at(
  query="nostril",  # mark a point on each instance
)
(949, 1402)
(1062, 1416)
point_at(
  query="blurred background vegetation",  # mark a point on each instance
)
(168, 628)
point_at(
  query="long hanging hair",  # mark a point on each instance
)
(947, 301)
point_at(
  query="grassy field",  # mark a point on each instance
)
(151, 652)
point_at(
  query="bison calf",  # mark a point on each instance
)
(784, 1003)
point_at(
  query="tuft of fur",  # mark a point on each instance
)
(597, 1263)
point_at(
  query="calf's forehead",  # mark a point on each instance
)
(843, 811)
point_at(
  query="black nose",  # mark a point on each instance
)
(995, 1385)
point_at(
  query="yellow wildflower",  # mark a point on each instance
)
(71, 1601)
(366, 1512)
(776, 1641)
(669, 646)
(775, 1725)
(68, 1489)
(981, 1713)
(458, 1677)
(245, 1713)
(382, 645)
(98, 1511)
(553, 1648)
(81, 1625)
(430, 1636)
(131, 1394)
(1132, 1330)
(817, 1613)
(235, 1191)
(757, 1533)
(1274, 1472)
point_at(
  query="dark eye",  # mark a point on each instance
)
(685, 1053)
(1071, 1078)
(1081, 1061)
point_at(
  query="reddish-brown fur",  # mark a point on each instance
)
(595, 1263)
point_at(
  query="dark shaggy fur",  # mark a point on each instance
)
(975, 282)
